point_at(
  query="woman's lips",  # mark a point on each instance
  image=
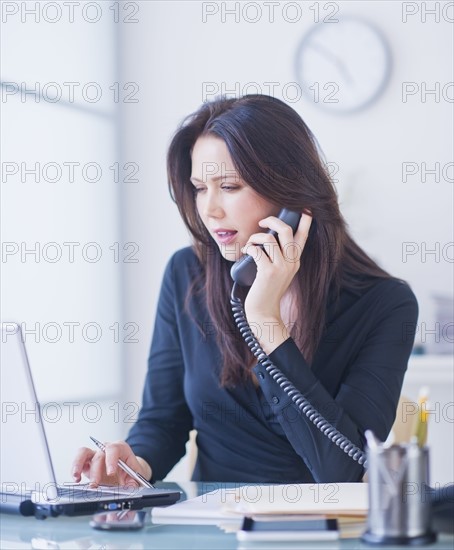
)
(225, 237)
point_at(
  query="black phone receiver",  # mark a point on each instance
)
(244, 270)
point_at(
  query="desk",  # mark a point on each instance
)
(18, 532)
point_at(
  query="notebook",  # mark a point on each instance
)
(27, 481)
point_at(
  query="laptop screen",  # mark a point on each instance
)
(25, 462)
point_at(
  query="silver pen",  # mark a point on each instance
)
(135, 475)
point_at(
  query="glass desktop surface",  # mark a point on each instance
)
(17, 532)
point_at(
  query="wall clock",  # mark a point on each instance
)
(343, 67)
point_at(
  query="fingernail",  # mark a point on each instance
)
(110, 470)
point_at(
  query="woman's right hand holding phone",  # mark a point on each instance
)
(101, 467)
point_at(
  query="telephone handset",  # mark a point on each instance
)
(243, 273)
(244, 270)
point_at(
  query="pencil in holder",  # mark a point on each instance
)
(399, 495)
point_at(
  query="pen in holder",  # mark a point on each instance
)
(399, 500)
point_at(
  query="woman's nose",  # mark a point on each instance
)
(213, 207)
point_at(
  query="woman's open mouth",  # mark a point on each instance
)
(225, 236)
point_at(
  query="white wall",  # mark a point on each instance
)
(65, 296)
(161, 54)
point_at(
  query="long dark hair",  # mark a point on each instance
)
(276, 154)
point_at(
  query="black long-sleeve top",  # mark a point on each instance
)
(256, 434)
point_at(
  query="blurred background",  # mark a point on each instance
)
(92, 93)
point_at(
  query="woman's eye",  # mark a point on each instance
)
(227, 188)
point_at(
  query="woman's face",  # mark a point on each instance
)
(228, 207)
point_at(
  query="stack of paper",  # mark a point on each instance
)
(229, 505)
(208, 509)
(345, 499)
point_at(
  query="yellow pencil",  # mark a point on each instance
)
(420, 431)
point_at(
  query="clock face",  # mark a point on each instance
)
(344, 66)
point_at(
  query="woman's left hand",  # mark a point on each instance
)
(275, 272)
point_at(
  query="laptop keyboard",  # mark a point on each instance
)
(77, 491)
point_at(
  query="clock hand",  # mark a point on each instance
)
(336, 60)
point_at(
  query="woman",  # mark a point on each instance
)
(338, 327)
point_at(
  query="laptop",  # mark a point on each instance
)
(27, 480)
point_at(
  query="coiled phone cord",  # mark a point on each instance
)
(303, 405)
